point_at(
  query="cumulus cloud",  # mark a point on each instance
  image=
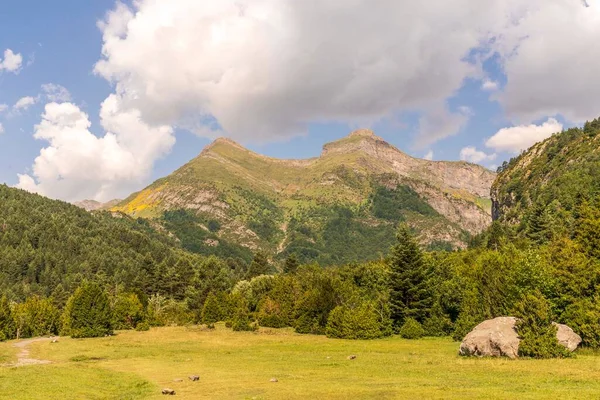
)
(1, 128)
(3, 107)
(56, 93)
(551, 59)
(78, 165)
(429, 155)
(12, 62)
(522, 137)
(24, 103)
(471, 154)
(264, 69)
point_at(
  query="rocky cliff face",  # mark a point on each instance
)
(262, 202)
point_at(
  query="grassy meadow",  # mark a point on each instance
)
(238, 365)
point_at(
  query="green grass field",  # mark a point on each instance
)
(238, 365)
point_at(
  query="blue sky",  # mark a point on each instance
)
(438, 103)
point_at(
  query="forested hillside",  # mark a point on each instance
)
(547, 191)
(49, 247)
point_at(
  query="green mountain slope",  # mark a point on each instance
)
(540, 193)
(341, 206)
(48, 247)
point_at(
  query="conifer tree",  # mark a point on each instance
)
(259, 266)
(88, 312)
(7, 323)
(211, 312)
(291, 264)
(409, 294)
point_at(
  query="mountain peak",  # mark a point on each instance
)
(362, 133)
(222, 141)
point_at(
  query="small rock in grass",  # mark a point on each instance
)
(194, 378)
(352, 357)
(54, 341)
(168, 391)
(274, 380)
(178, 380)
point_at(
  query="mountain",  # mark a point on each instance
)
(540, 193)
(93, 205)
(341, 206)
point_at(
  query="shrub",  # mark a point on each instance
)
(438, 323)
(270, 314)
(362, 322)
(535, 329)
(127, 311)
(163, 311)
(36, 317)
(411, 329)
(584, 317)
(142, 326)
(88, 313)
(8, 329)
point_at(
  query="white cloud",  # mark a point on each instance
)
(12, 62)
(264, 69)
(473, 155)
(489, 85)
(429, 155)
(522, 137)
(24, 103)
(3, 107)
(551, 58)
(78, 165)
(1, 128)
(56, 93)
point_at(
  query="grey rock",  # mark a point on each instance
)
(352, 357)
(168, 391)
(567, 337)
(274, 380)
(194, 378)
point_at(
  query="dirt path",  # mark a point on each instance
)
(23, 356)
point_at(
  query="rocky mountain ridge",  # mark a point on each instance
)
(284, 205)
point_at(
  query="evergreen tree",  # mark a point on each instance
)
(291, 264)
(88, 312)
(410, 295)
(535, 328)
(258, 266)
(211, 312)
(7, 323)
(538, 226)
(241, 317)
(127, 311)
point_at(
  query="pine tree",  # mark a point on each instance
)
(88, 313)
(410, 295)
(535, 328)
(291, 264)
(538, 226)
(211, 312)
(7, 323)
(241, 317)
(259, 266)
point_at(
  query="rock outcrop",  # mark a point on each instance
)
(498, 338)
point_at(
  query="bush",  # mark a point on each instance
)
(88, 313)
(164, 312)
(438, 324)
(127, 311)
(584, 317)
(362, 322)
(142, 326)
(270, 314)
(8, 329)
(411, 329)
(535, 329)
(36, 317)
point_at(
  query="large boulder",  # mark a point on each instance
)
(567, 337)
(495, 337)
(498, 338)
